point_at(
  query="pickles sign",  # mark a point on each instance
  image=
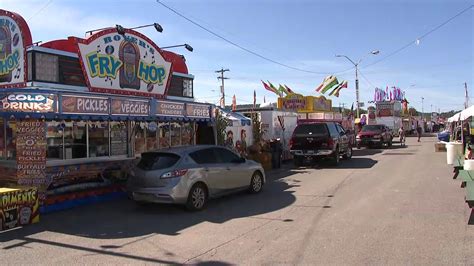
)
(129, 64)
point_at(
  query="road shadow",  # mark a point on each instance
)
(365, 152)
(124, 218)
(471, 218)
(357, 163)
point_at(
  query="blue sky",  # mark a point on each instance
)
(303, 34)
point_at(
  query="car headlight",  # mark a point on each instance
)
(377, 136)
(357, 137)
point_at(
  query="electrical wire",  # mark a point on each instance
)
(246, 49)
(40, 10)
(419, 38)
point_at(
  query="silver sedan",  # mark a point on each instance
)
(191, 175)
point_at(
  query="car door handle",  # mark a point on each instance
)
(228, 168)
(206, 169)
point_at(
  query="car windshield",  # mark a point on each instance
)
(157, 160)
(372, 128)
(311, 129)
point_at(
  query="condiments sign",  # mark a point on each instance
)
(31, 154)
(127, 63)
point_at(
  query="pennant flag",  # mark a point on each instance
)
(327, 84)
(234, 103)
(290, 91)
(275, 90)
(282, 90)
(340, 87)
(268, 88)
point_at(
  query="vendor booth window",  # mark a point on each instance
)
(54, 139)
(98, 139)
(75, 139)
(118, 138)
(164, 134)
(187, 133)
(2, 140)
(175, 131)
(151, 136)
(139, 132)
(11, 140)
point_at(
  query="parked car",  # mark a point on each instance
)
(374, 135)
(320, 140)
(191, 175)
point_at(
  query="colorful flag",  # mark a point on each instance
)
(282, 90)
(289, 90)
(234, 103)
(327, 84)
(340, 87)
(268, 88)
(274, 88)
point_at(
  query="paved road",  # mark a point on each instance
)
(396, 206)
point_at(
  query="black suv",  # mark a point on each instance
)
(321, 140)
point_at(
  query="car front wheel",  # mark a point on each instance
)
(256, 184)
(348, 153)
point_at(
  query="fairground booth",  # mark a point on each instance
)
(75, 113)
(313, 109)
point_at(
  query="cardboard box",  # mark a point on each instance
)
(440, 147)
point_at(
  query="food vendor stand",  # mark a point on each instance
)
(75, 113)
(312, 109)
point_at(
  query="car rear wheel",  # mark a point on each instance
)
(197, 198)
(256, 184)
(348, 153)
(297, 161)
(336, 157)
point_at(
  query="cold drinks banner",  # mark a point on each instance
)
(14, 37)
(129, 64)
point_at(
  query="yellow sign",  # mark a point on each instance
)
(304, 104)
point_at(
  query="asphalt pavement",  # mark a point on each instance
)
(390, 206)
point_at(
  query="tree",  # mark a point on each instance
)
(221, 125)
(256, 129)
(412, 111)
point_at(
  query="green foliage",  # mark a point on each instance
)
(257, 129)
(221, 124)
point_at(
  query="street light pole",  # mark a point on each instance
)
(422, 112)
(356, 65)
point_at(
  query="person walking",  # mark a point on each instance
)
(401, 134)
(418, 132)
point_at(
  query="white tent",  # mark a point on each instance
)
(454, 118)
(467, 113)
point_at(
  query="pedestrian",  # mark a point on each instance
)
(401, 134)
(418, 132)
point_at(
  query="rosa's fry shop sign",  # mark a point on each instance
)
(28, 102)
(129, 64)
(15, 36)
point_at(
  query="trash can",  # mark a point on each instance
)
(276, 150)
(453, 151)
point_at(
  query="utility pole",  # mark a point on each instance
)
(422, 112)
(466, 101)
(357, 89)
(222, 78)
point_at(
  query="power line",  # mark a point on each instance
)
(246, 49)
(417, 40)
(41, 9)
